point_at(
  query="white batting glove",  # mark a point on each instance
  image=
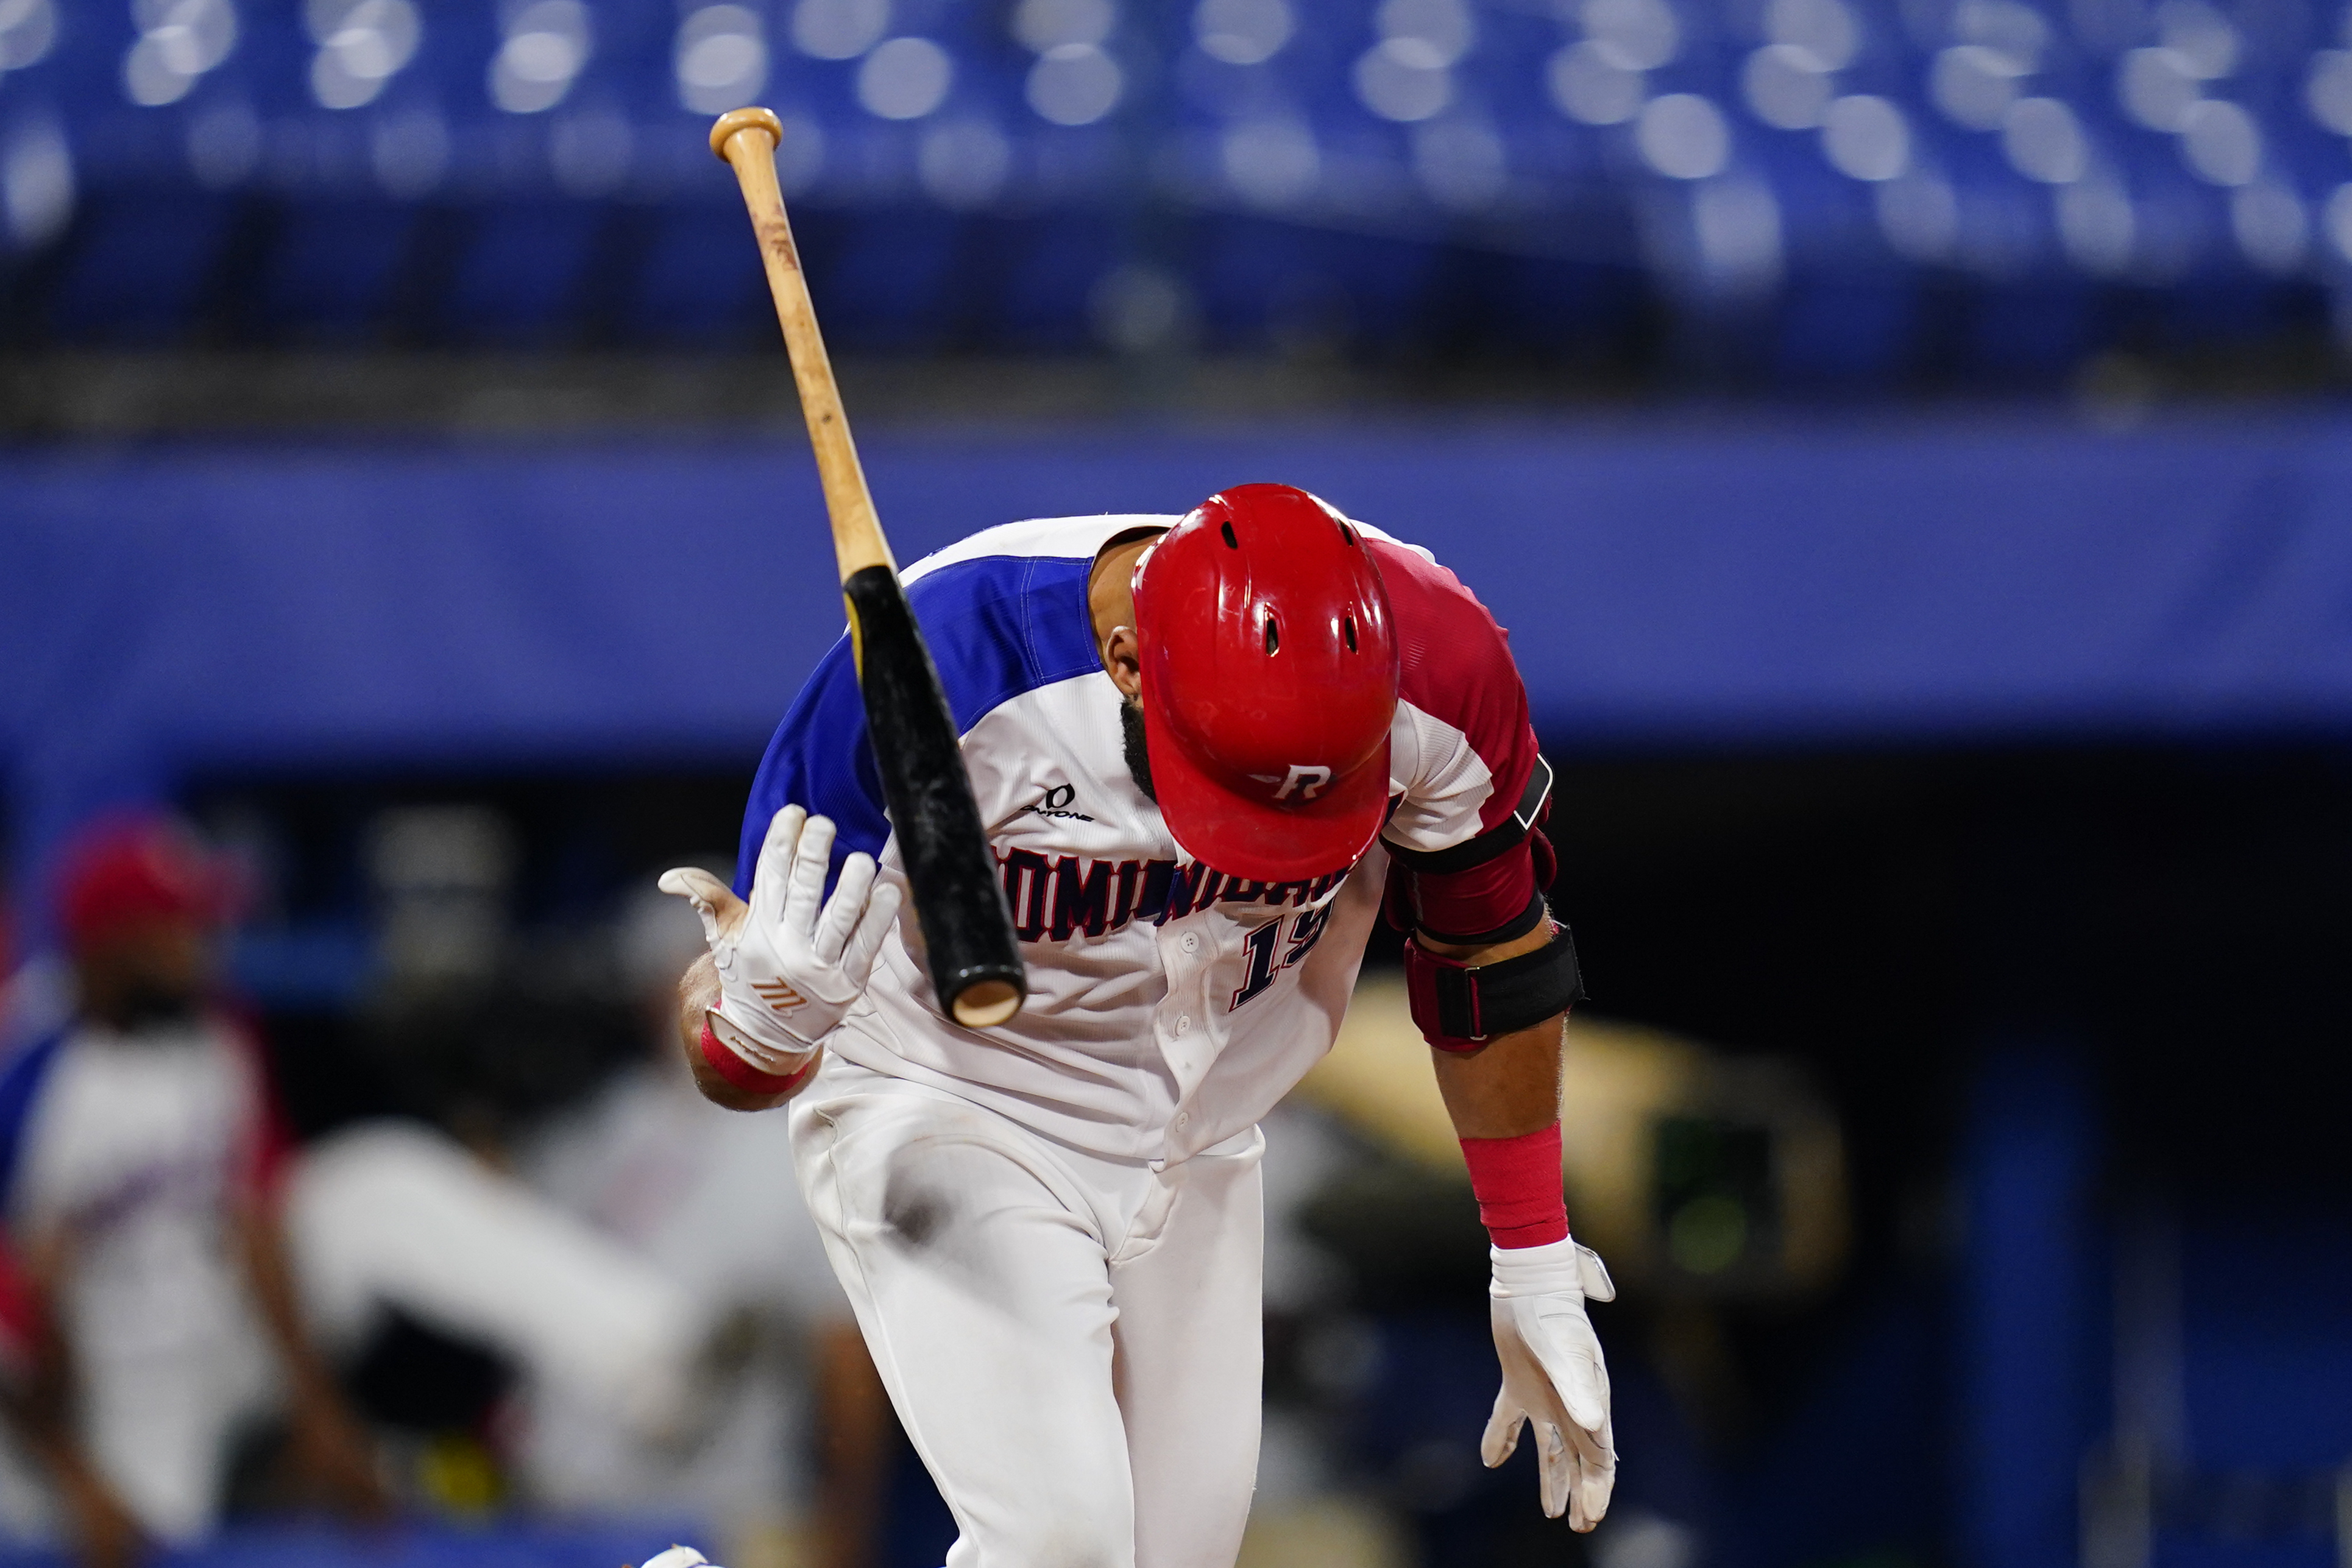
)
(1553, 1374)
(787, 969)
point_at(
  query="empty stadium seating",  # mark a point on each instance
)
(1846, 183)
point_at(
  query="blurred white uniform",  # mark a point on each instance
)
(389, 1214)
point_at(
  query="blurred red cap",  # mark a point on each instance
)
(127, 871)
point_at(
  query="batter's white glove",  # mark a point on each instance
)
(1553, 1374)
(788, 969)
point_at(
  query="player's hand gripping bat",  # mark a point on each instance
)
(975, 965)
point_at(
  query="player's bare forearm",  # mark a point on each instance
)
(40, 1405)
(698, 993)
(331, 1447)
(272, 1283)
(1511, 1084)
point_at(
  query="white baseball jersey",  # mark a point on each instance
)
(138, 1149)
(1170, 1004)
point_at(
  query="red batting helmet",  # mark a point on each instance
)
(1269, 683)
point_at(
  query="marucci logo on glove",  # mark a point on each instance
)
(780, 996)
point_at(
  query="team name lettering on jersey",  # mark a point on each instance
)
(1053, 900)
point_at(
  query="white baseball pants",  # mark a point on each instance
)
(1072, 1343)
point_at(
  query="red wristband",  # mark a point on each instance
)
(1518, 1181)
(743, 1074)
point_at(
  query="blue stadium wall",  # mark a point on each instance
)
(168, 607)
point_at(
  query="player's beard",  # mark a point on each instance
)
(1139, 754)
(146, 1005)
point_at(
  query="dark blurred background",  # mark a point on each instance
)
(1904, 438)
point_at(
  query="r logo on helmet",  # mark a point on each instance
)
(1307, 774)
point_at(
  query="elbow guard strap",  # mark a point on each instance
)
(1461, 1007)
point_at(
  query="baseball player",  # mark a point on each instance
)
(1207, 751)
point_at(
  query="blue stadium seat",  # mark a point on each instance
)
(524, 273)
(1263, 282)
(887, 281)
(2029, 335)
(333, 268)
(140, 266)
(1592, 315)
(696, 279)
(1044, 271)
(969, 174)
(1846, 330)
(145, 246)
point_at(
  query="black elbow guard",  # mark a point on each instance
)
(1459, 1007)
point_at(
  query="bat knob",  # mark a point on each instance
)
(754, 118)
(984, 1004)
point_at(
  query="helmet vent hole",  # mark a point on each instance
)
(1348, 629)
(1273, 636)
(1231, 542)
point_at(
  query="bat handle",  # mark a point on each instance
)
(747, 139)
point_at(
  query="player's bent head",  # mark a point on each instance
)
(138, 903)
(1269, 671)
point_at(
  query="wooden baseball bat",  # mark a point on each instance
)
(974, 962)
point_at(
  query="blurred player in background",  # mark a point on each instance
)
(1204, 749)
(800, 1435)
(189, 1282)
(141, 1163)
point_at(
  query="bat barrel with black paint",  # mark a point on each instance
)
(967, 932)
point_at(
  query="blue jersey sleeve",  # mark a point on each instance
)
(997, 626)
(20, 1093)
(819, 759)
